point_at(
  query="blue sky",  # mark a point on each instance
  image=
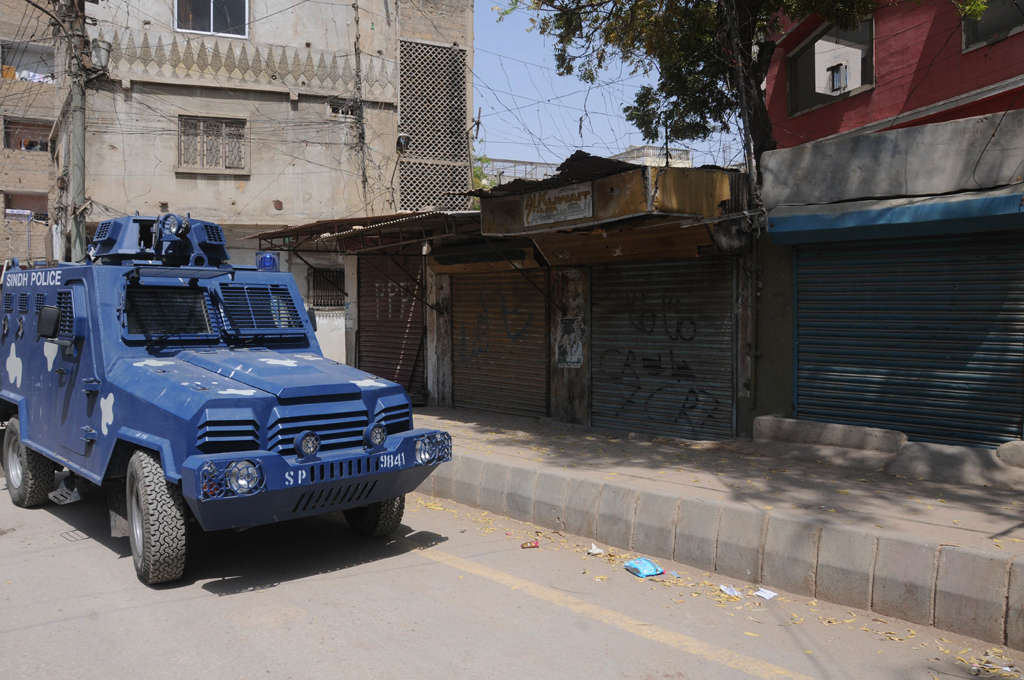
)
(531, 113)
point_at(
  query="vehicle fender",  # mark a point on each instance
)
(153, 443)
(15, 400)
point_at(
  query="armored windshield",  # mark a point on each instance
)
(163, 310)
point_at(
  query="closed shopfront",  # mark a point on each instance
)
(924, 336)
(662, 343)
(391, 326)
(499, 342)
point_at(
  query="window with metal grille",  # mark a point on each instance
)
(226, 17)
(212, 144)
(326, 288)
(165, 310)
(257, 309)
(434, 113)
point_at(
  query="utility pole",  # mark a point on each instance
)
(361, 112)
(748, 142)
(74, 13)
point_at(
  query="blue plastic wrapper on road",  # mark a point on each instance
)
(643, 568)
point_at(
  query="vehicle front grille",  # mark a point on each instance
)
(224, 430)
(340, 495)
(396, 418)
(336, 429)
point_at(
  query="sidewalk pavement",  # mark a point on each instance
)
(766, 512)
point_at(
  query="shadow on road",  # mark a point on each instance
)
(263, 557)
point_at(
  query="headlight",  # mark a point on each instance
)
(307, 443)
(375, 435)
(424, 453)
(243, 477)
(434, 448)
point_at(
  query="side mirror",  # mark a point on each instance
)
(312, 317)
(49, 322)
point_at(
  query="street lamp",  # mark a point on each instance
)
(100, 54)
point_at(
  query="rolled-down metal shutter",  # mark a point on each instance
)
(391, 331)
(924, 338)
(499, 328)
(662, 345)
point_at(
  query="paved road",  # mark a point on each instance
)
(453, 597)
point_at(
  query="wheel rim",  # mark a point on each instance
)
(135, 513)
(13, 465)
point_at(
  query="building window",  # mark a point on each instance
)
(1000, 18)
(211, 144)
(832, 65)
(31, 62)
(226, 17)
(326, 288)
(26, 135)
(340, 109)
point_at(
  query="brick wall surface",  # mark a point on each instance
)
(24, 171)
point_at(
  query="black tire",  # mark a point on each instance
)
(29, 474)
(156, 521)
(377, 519)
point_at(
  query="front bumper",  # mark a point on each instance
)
(290, 487)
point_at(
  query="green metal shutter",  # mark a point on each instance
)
(499, 331)
(922, 337)
(662, 348)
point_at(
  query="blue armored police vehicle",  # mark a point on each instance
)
(195, 392)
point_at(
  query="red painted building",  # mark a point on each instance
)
(906, 65)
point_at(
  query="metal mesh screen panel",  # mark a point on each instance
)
(425, 185)
(434, 114)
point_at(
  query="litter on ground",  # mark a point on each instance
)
(643, 568)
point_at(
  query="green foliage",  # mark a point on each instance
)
(480, 178)
(686, 46)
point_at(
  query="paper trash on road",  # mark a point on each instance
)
(766, 594)
(594, 550)
(531, 544)
(729, 590)
(643, 568)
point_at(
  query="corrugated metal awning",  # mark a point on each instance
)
(960, 213)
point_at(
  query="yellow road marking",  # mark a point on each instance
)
(720, 655)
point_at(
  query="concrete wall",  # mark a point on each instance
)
(309, 165)
(917, 161)
(450, 21)
(304, 163)
(772, 388)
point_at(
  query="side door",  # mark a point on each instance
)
(79, 408)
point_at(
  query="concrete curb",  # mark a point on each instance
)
(967, 591)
